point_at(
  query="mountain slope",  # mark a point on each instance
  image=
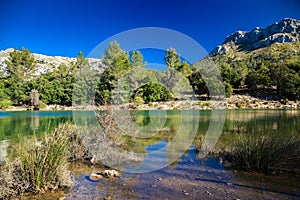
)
(287, 30)
(261, 61)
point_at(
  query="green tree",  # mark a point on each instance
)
(118, 64)
(137, 59)
(172, 59)
(21, 65)
(185, 69)
(3, 90)
(198, 84)
(229, 75)
(287, 80)
(112, 53)
(80, 63)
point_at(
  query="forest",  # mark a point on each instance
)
(262, 71)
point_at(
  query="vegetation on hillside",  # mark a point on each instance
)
(272, 70)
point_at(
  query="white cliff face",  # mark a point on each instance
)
(46, 63)
(287, 30)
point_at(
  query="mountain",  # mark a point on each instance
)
(264, 61)
(46, 63)
(287, 30)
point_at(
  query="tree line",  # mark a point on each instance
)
(20, 84)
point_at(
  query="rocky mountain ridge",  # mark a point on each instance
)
(287, 30)
(46, 63)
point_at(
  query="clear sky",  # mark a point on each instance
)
(64, 27)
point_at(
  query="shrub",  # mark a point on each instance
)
(4, 104)
(42, 105)
(239, 104)
(151, 92)
(265, 153)
(207, 103)
(139, 100)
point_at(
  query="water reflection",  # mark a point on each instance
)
(164, 140)
(162, 136)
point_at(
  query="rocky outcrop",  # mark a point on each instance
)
(287, 30)
(46, 63)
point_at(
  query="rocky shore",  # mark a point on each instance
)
(234, 102)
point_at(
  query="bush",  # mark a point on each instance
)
(265, 153)
(42, 105)
(207, 103)
(4, 104)
(139, 100)
(239, 104)
(151, 92)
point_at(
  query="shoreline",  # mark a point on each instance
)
(235, 102)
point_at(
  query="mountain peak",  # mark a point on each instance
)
(287, 30)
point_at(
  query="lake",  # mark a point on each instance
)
(174, 160)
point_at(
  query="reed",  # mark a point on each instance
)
(267, 153)
(44, 166)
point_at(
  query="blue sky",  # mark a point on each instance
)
(65, 27)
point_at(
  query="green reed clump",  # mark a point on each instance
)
(44, 166)
(267, 153)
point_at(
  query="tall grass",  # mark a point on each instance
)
(44, 166)
(41, 165)
(267, 153)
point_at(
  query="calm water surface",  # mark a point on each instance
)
(168, 126)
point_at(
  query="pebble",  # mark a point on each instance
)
(207, 192)
(159, 179)
(186, 193)
(154, 186)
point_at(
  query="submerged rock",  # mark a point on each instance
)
(111, 173)
(96, 176)
(106, 173)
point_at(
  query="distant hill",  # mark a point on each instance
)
(45, 63)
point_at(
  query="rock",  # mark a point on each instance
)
(111, 173)
(287, 30)
(207, 192)
(96, 176)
